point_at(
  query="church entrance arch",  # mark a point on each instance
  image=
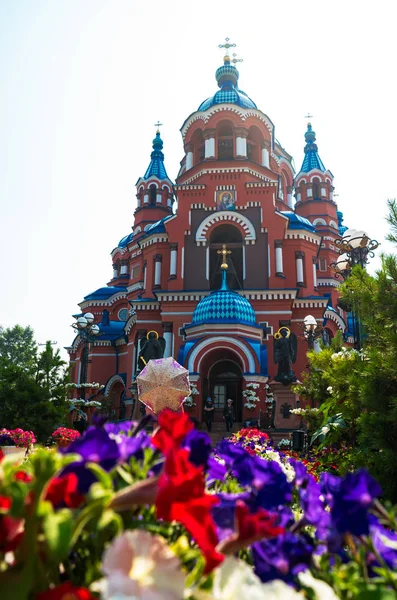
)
(222, 380)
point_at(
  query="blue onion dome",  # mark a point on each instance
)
(229, 93)
(224, 306)
(156, 166)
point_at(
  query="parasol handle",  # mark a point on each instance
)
(143, 360)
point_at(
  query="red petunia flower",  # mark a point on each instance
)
(23, 476)
(1, 455)
(181, 497)
(5, 504)
(250, 528)
(66, 591)
(63, 490)
(174, 427)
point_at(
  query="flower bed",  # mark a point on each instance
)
(19, 438)
(64, 436)
(120, 514)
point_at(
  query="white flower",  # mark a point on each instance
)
(330, 389)
(321, 589)
(235, 580)
(325, 430)
(141, 566)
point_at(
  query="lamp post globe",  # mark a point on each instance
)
(89, 317)
(82, 322)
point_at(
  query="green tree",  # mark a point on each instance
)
(363, 385)
(33, 387)
(17, 347)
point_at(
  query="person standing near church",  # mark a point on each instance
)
(209, 413)
(228, 414)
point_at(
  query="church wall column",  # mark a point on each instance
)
(265, 154)
(241, 142)
(115, 272)
(299, 256)
(289, 196)
(173, 260)
(209, 144)
(314, 273)
(279, 257)
(144, 275)
(158, 258)
(189, 156)
(146, 198)
(168, 339)
(159, 197)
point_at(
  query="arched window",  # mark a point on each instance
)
(232, 237)
(198, 147)
(254, 145)
(153, 193)
(316, 189)
(225, 141)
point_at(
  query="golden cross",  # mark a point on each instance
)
(224, 253)
(158, 125)
(236, 60)
(227, 45)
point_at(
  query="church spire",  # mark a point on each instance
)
(312, 159)
(156, 167)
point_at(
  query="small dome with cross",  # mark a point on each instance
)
(224, 306)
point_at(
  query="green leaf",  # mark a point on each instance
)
(376, 593)
(58, 529)
(103, 477)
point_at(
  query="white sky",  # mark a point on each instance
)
(83, 81)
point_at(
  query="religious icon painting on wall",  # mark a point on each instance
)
(226, 200)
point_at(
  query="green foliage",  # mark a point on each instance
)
(18, 348)
(32, 386)
(363, 385)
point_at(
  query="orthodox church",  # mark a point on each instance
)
(217, 261)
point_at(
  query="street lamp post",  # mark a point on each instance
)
(355, 248)
(311, 330)
(88, 331)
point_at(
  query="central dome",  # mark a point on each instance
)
(224, 306)
(227, 78)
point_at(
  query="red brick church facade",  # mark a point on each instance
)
(236, 186)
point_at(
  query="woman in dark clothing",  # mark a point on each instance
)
(228, 414)
(209, 413)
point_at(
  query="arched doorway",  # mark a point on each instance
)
(231, 236)
(224, 381)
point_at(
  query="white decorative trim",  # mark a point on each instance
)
(336, 318)
(197, 349)
(205, 171)
(135, 287)
(293, 234)
(111, 382)
(328, 282)
(320, 303)
(225, 215)
(244, 113)
(153, 239)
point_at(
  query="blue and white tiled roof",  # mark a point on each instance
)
(312, 159)
(298, 222)
(105, 292)
(224, 306)
(227, 78)
(156, 167)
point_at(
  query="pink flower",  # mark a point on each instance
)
(142, 566)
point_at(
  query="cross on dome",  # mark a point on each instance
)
(226, 45)
(158, 125)
(224, 253)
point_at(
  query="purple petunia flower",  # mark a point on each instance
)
(351, 500)
(224, 512)
(96, 446)
(133, 446)
(385, 544)
(281, 557)
(216, 470)
(199, 445)
(314, 507)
